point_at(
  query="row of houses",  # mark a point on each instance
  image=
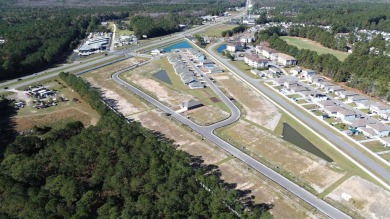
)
(284, 59)
(356, 120)
(185, 71)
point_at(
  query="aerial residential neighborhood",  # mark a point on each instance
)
(205, 109)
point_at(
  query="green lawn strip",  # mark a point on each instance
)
(334, 186)
(375, 146)
(306, 44)
(243, 67)
(386, 156)
(217, 30)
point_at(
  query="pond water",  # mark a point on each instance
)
(179, 45)
(162, 76)
(292, 136)
(221, 48)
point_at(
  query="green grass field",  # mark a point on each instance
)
(314, 46)
(216, 30)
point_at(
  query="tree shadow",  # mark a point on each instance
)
(7, 124)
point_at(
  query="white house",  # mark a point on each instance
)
(346, 94)
(233, 47)
(364, 104)
(305, 73)
(285, 59)
(360, 123)
(385, 141)
(385, 116)
(379, 108)
(332, 110)
(334, 89)
(346, 115)
(247, 38)
(254, 61)
(357, 99)
(324, 103)
(295, 71)
(380, 129)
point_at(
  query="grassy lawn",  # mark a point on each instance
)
(310, 106)
(375, 146)
(386, 156)
(300, 101)
(330, 120)
(293, 96)
(243, 67)
(216, 30)
(341, 126)
(314, 46)
(317, 112)
(358, 137)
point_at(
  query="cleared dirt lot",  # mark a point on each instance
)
(307, 170)
(125, 102)
(369, 200)
(265, 191)
(255, 107)
(206, 115)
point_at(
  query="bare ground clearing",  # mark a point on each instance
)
(169, 96)
(187, 140)
(206, 115)
(370, 200)
(255, 107)
(125, 102)
(304, 168)
(265, 191)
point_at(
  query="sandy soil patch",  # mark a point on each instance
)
(370, 200)
(186, 140)
(206, 115)
(304, 168)
(164, 94)
(265, 191)
(71, 114)
(255, 107)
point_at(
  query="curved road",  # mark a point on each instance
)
(359, 156)
(207, 132)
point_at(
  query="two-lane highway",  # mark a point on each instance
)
(208, 133)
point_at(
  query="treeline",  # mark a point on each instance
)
(239, 29)
(160, 25)
(111, 170)
(320, 35)
(343, 17)
(362, 69)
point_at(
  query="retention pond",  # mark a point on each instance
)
(292, 136)
(179, 45)
(162, 76)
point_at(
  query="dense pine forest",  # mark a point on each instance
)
(115, 169)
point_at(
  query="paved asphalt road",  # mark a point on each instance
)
(356, 154)
(207, 132)
(43, 75)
